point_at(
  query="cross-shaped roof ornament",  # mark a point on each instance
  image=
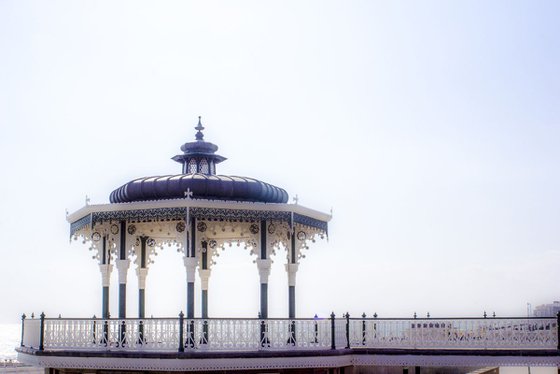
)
(295, 199)
(87, 200)
(188, 194)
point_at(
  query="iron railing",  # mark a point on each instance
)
(236, 334)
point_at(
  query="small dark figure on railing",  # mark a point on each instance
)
(484, 314)
(32, 315)
(428, 314)
(414, 315)
(494, 314)
(375, 315)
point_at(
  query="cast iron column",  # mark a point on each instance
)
(190, 267)
(142, 272)
(263, 264)
(204, 274)
(122, 266)
(291, 269)
(105, 267)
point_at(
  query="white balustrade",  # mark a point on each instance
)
(163, 334)
(487, 333)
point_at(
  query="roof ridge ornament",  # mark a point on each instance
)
(199, 128)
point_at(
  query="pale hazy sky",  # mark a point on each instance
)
(432, 128)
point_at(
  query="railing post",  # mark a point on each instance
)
(94, 330)
(105, 332)
(42, 333)
(22, 327)
(141, 332)
(347, 330)
(333, 341)
(204, 332)
(181, 330)
(316, 329)
(363, 329)
(122, 334)
(558, 329)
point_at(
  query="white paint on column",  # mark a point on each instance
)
(190, 267)
(264, 269)
(106, 270)
(122, 268)
(142, 274)
(204, 276)
(292, 269)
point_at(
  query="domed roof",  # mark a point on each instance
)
(197, 185)
(199, 180)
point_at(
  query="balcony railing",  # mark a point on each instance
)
(213, 334)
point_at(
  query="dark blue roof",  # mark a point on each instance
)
(199, 180)
(202, 186)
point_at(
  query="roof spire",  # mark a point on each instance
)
(199, 127)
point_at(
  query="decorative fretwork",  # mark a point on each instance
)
(223, 234)
(278, 236)
(179, 213)
(311, 222)
(159, 235)
(80, 224)
(240, 215)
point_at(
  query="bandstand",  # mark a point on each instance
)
(200, 213)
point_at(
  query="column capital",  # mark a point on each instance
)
(142, 274)
(106, 270)
(204, 276)
(292, 269)
(264, 269)
(122, 268)
(190, 266)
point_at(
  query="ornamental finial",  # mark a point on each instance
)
(199, 128)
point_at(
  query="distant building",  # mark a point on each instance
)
(547, 310)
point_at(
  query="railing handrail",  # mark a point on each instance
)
(448, 318)
(177, 318)
(298, 319)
